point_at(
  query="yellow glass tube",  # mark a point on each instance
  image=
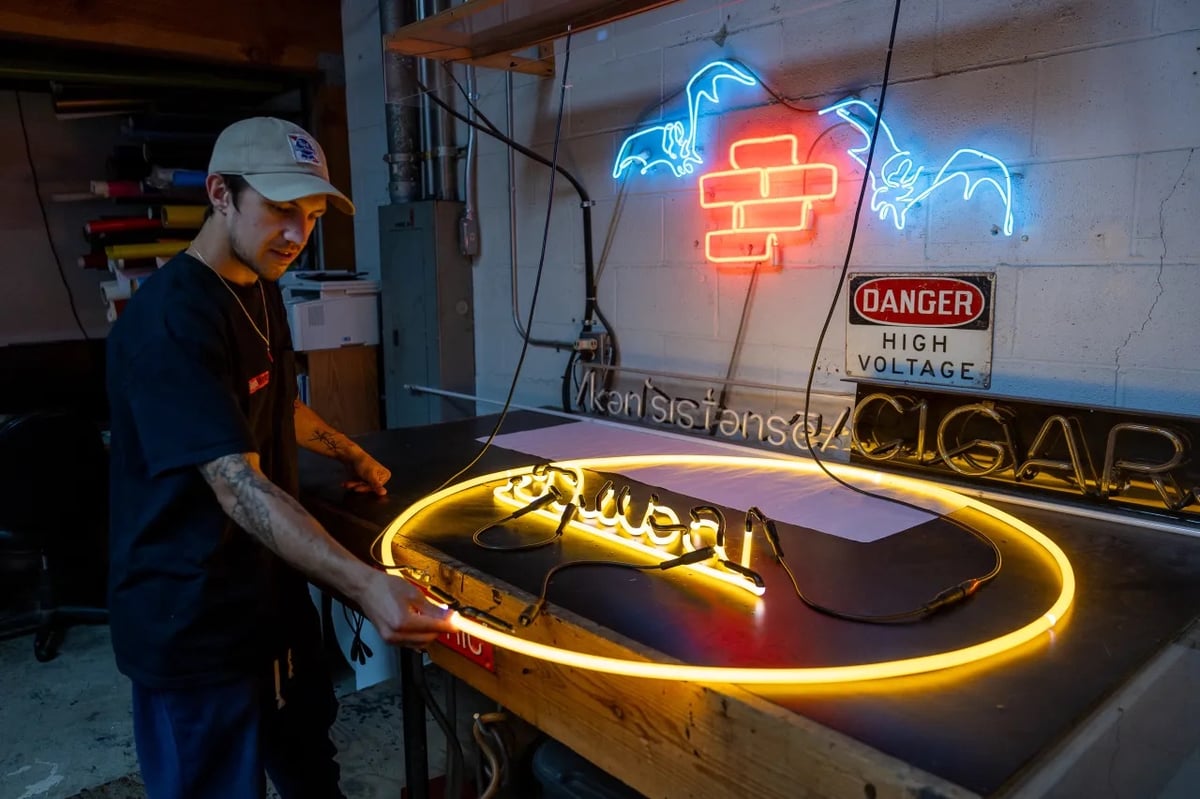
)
(783, 675)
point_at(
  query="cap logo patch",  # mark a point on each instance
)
(303, 149)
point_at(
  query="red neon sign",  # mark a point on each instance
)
(770, 197)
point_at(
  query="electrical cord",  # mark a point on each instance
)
(37, 191)
(887, 68)
(454, 751)
(943, 599)
(592, 312)
(554, 170)
(359, 651)
(591, 308)
(479, 731)
(779, 98)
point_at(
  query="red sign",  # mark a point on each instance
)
(919, 301)
(478, 652)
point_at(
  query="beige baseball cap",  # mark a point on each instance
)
(279, 160)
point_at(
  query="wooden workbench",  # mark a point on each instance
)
(992, 729)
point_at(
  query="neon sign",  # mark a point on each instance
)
(1146, 462)
(556, 493)
(1034, 627)
(770, 197)
(674, 144)
(894, 176)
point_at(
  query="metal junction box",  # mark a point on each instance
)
(427, 307)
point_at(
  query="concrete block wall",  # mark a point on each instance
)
(1093, 104)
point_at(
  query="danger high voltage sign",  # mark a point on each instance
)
(926, 328)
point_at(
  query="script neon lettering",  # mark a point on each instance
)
(608, 516)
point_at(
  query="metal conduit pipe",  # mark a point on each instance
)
(402, 112)
(439, 167)
(512, 228)
(468, 234)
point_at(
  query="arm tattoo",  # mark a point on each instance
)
(243, 492)
(331, 444)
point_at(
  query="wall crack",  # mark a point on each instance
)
(1162, 258)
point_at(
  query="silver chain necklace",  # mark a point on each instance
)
(266, 339)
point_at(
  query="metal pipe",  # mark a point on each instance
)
(401, 111)
(468, 238)
(429, 187)
(512, 228)
(437, 129)
(703, 379)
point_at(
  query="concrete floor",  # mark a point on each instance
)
(66, 732)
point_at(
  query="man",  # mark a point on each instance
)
(208, 600)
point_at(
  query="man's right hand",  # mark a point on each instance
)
(400, 612)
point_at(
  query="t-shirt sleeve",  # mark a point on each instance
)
(180, 390)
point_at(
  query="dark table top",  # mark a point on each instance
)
(977, 726)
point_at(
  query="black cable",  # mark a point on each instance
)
(531, 613)
(37, 190)
(554, 170)
(943, 599)
(359, 651)
(454, 750)
(779, 98)
(812, 371)
(591, 310)
(585, 200)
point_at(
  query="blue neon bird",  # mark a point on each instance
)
(894, 174)
(674, 144)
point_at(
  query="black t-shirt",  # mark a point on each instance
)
(193, 598)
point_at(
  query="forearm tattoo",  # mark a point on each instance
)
(245, 493)
(335, 449)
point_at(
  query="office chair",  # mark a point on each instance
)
(53, 527)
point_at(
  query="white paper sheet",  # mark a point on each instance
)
(815, 501)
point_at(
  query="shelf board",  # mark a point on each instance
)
(491, 33)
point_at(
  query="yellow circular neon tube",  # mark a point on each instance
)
(765, 676)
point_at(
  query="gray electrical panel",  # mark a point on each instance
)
(427, 312)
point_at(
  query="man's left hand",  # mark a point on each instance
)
(369, 474)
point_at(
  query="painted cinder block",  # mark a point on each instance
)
(608, 97)
(1066, 212)
(1061, 381)
(637, 239)
(1176, 15)
(665, 27)
(988, 109)
(839, 48)
(679, 299)
(1174, 391)
(1168, 195)
(684, 227)
(1115, 100)
(1084, 314)
(1077, 318)
(972, 34)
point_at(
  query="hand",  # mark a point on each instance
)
(400, 612)
(371, 474)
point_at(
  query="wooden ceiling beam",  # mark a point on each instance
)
(497, 45)
(231, 32)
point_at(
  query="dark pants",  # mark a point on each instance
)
(217, 740)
